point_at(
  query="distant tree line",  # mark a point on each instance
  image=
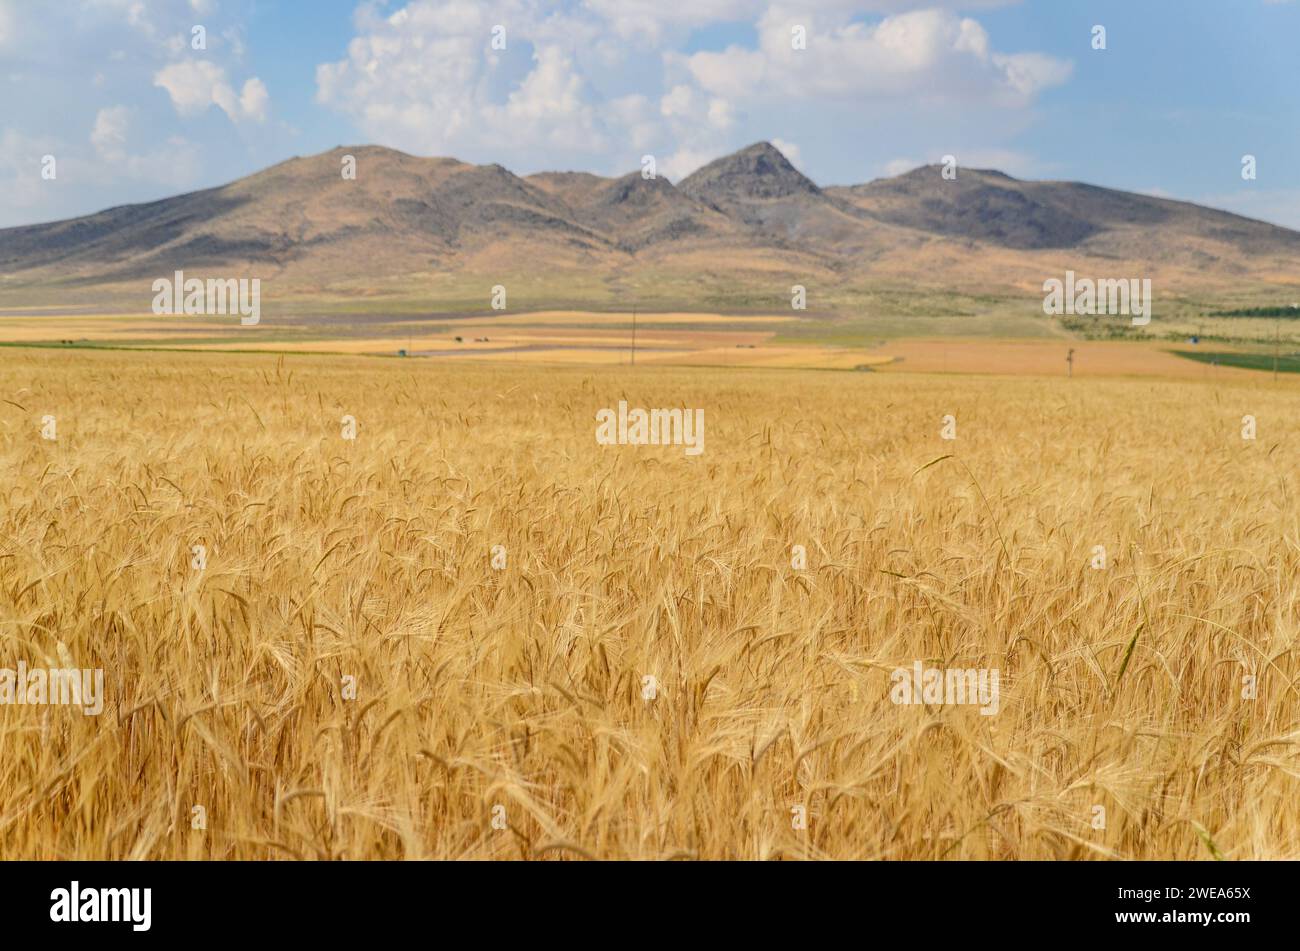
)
(1290, 310)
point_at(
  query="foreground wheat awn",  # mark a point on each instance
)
(353, 673)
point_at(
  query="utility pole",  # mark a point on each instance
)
(633, 336)
(1277, 334)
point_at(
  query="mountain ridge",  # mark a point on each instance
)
(738, 218)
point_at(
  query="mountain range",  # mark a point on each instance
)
(736, 233)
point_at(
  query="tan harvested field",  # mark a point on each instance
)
(621, 320)
(1048, 358)
(523, 687)
(102, 328)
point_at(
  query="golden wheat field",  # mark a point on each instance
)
(503, 712)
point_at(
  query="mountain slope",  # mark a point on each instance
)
(758, 187)
(991, 207)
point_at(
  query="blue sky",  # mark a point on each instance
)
(114, 90)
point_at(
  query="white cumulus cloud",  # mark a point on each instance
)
(8, 22)
(931, 53)
(195, 85)
(109, 133)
